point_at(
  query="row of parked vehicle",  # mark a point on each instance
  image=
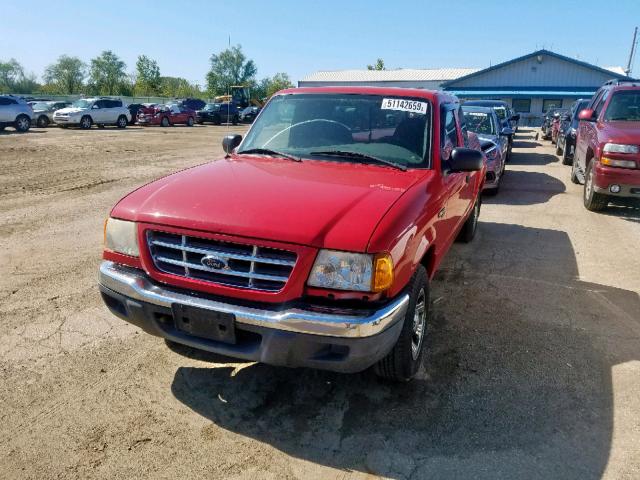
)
(600, 138)
(20, 114)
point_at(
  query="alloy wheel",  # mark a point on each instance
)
(419, 324)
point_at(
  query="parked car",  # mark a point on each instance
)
(507, 117)
(218, 113)
(194, 104)
(607, 155)
(43, 112)
(86, 112)
(484, 122)
(134, 108)
(560, 115)
(566, 141)
(249, 114)
(166, 115)
(226, 256)
(15, 112)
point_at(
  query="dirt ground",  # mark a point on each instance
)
(533, 365)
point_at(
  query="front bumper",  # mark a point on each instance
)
(294, 337)
(627, 178)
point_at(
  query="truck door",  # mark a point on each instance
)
(453, 182)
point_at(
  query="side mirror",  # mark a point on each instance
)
(566, 117)
(506, 131)
(586, 114)
(466, 160)
(229, 142)
(94, 107)
(516, 117)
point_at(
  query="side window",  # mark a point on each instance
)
(449, 134)
(463, 127)
(595, 100)
(99, 104)
(600, 104)
(4, 101)
(116, 103)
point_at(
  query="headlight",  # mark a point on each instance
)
(620, 148)
(121, 236)
(351, 271)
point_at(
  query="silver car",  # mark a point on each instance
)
(15, 112)
(43, 112)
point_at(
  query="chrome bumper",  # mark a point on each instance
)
(135, 284)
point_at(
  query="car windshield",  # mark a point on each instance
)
(479, 122)
(624, 106)
(41, 106)
(345, 127)
(81, 103)
(501, 112)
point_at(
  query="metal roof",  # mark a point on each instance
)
(523, 93)
(400, 75)
(452, 83)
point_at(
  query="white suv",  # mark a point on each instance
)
(93, 111)
(15, 112)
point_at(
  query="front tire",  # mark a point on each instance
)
(22, 123)
(469, 228)
(403, 361)
(122, 122)
(558, 149)
(574, 171)
(86, 122)
(164, 122)
(190, 122)
(593, 201)
(566, 159)
(43, 121)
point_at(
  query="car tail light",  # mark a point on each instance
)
(613, 162)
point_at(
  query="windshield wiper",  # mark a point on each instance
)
(346, 154)
(273, 153)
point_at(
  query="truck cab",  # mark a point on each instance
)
(312, 242)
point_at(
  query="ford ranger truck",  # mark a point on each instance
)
(607, 153)
(312, 242)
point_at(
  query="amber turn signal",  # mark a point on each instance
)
(382, 272)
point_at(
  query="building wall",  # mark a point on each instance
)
(551, 72)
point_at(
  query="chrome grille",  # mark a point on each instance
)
(225, 263)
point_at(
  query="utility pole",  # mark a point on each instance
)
(632, 53)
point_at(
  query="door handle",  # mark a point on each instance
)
(467, 178)
(442, 212)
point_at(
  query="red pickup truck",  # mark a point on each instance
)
(312, 242)
(607, 154)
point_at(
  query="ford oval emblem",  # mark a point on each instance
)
(211, 261)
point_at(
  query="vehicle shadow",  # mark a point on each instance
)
(15, 132)
(520, 187)
(527, 158)
(525, 144)
(628, 209)
(516, 384)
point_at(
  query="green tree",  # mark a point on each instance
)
(66, 75)
(10, 73)
(229, 67)
(379, 65)
(107, 74)
(147, 76)
(270, 85)
(178, 87)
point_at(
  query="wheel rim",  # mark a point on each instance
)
(123, 121)
(588, 186)
(22, 124)
(476, 212)
(419, 323)
(85, 122)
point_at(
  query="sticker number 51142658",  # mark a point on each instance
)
(404, 105)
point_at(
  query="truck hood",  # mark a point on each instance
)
(621, 132)
(315, 203)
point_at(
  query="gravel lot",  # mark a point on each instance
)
(533, 368)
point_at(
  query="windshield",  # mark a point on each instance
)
(501, 112)
(624, 106)
(391, 129)
(81, 103)
(41, 106)
(211, 107)
(479, 122)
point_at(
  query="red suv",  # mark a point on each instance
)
(607, 156)
(312, 243)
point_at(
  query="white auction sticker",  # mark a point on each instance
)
(403, 105)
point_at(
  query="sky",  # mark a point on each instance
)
(300, 37)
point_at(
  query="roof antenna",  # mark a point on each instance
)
(632, 54)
